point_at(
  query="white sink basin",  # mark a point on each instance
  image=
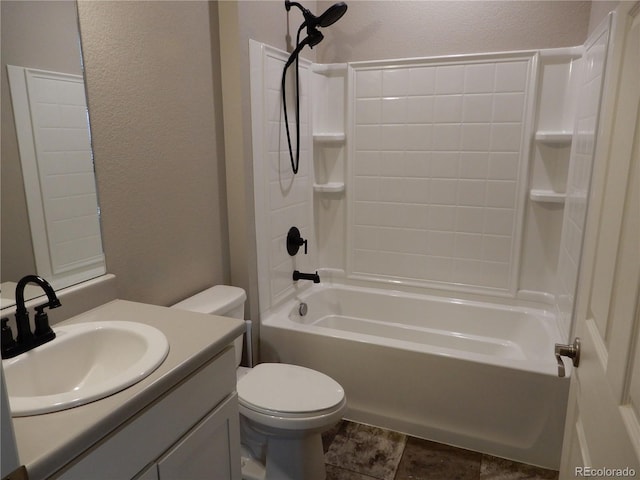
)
(85, 362)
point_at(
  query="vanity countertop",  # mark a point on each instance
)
(48, 442)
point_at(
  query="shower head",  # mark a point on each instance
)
(330, 16)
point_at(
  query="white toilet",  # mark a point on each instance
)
(283, 408)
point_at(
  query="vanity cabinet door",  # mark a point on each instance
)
(170, 419)
(209, 451)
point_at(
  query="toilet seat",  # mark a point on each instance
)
(290, 397)
(277, 413)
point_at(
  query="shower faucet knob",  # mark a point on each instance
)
(295, 241)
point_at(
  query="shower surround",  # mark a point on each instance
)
(443, 178)
(443, 174)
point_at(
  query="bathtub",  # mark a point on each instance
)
(471, 374)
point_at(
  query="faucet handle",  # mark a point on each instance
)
(6, 335)
(41, 320)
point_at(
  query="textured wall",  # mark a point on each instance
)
(154, 101)
(392, 29)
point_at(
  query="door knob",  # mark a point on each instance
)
(571, 351)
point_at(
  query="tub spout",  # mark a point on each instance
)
(306, 276)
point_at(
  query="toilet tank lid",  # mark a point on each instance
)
(216, 300)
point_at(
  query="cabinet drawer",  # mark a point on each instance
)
(145, 437)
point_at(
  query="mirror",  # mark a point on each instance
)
(49, 211)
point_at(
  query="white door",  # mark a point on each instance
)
(602, 433)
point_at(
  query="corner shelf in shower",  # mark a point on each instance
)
(554, 137)
(335, 138)
(546, 196)
(329, 187)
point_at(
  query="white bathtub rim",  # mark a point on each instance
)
(279, 318)
(336, 277)
(497, 342)
(543, 368)
(546, 320)
(546, 314)
(506, 303)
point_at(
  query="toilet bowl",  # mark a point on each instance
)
(283, 408)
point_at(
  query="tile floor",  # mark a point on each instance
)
(360, 452)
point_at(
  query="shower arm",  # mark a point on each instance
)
(327, 18)
(288, 4)
(308, 16)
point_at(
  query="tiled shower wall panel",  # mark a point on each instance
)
(580, 167)
(282, 199)
(435, 189)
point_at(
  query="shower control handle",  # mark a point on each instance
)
(571, 351)
(295, 241)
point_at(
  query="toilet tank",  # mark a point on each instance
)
(223, 300)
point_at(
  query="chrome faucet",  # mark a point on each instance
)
(26, 339)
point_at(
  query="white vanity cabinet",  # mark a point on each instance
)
(190, 432)
(205, 452)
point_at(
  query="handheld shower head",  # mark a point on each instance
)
(330, 16)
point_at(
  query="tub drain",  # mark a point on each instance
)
(303, 309)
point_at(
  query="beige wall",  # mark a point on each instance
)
(153, 86)
(41, 35)
(392, 29)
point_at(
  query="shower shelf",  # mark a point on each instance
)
(330, 187)
(329, 137)
(554, 137)
(546, 196)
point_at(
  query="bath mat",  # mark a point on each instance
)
(366, 450)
